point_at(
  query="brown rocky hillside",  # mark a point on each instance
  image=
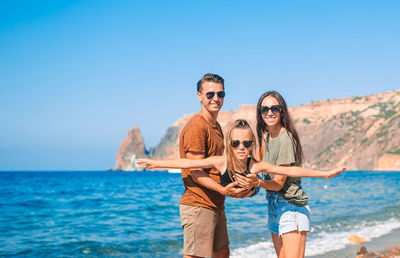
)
(360, 133)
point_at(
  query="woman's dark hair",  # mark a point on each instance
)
(286, 122)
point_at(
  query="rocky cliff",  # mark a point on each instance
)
(131, 148)
(360, 133)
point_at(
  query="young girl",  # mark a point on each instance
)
(288, 212)
(238, 161)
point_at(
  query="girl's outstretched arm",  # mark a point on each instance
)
(181, 163)
(296, 171)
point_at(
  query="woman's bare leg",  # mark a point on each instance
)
(295, 243)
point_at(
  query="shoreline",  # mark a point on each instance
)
(391, 240)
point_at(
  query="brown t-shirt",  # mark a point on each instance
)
(199, 136)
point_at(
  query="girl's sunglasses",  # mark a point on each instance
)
(236, 143)
(275, 109)
(211, 94)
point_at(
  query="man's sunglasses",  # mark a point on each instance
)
(211, 94)
(236, 143)
(275, 109)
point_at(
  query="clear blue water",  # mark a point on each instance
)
(136, 214)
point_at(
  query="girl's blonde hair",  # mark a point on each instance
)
(231, 160)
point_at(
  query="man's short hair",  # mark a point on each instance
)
(210, 77)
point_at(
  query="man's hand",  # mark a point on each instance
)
(244, 194)
(232, 191)
(249, 181)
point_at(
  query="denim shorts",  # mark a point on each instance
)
(284, 217)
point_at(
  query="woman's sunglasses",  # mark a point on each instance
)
(236, 143)
(275, 109)
(211, 94)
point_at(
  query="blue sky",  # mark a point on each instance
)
(75, 76)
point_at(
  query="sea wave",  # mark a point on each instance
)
(262, 249)
(323, 242)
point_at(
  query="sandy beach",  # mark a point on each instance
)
(385, 246)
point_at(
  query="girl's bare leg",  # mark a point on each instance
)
(278, 245)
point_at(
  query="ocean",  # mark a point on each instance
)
(136, 214)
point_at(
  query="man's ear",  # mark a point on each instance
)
(198, 95)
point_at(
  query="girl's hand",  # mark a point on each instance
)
(145, 163)
(248, 181)
(334, 172)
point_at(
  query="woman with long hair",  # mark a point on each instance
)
(279, 144)
(238, 161)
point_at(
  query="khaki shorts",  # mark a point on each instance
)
(204, 230)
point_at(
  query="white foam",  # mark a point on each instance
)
(323, 242)
(263, 249)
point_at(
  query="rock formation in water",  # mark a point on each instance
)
(360, 133)
(131, 148)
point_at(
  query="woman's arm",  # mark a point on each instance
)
(296, 171)
(276, 183)
(252, 180)
(181, 163)
(259, 151)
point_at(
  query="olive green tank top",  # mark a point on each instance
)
(280, 151)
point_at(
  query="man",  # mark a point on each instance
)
(202, 204)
